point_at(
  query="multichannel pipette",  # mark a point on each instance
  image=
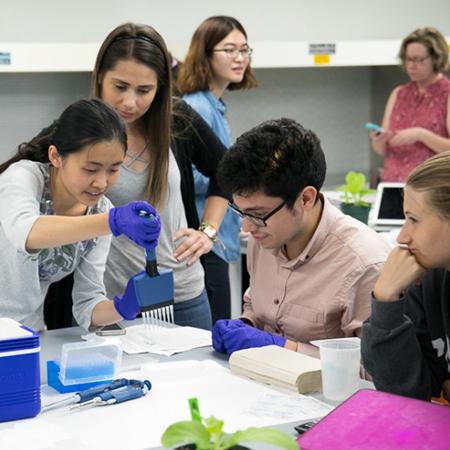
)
(154, 289)
(88, 394)
(133, 390)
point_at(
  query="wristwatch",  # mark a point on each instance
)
(209, 230)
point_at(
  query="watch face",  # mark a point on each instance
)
(209, 231)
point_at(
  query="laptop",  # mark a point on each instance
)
(387, 210)
(380, 421)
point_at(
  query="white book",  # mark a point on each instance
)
(278, 366)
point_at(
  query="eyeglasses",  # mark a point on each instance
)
(255, 220)
(416, 60)
(233, 53)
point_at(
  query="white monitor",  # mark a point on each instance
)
(388, 207)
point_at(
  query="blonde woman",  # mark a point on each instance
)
(406, 341)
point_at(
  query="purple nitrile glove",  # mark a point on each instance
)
(127, 305)
(138, 221)
(220, 328)
(249, 337)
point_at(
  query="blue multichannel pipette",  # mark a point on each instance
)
(133, 390)
(154, 288)
(88, 394)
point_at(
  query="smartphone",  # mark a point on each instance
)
(114, 329)
(302, 428)
(373, 127)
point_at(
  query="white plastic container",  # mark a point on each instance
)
(340, 365)
(92, 361)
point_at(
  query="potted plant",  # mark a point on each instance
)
(353, 192)
(207, 434)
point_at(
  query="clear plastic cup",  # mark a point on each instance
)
(340, 363)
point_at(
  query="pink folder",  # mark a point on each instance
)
(380, 421)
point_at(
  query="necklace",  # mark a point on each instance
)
(137, 156)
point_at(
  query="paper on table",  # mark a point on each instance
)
(240, 402)
(163, 340)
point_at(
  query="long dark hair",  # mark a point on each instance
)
(144, 44)
(84, 122)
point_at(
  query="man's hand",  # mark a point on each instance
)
(232, 335)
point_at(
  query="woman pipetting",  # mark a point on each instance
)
(218, 59)
(55, 219)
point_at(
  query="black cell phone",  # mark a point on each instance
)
(302, 428)
(115, 329)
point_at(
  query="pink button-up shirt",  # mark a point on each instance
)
(324, 292)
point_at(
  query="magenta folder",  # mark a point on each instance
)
(376, 420)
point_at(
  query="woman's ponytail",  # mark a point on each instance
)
(34, 150)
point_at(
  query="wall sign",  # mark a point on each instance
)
(5, 58)
(321, 52)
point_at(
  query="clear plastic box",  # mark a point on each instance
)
(92, 361)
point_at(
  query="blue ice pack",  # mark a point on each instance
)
(20, 393)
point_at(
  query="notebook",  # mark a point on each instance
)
(388, 207)
(376, 420)
(279, 367)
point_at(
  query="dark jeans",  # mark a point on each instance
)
(217, 283)
(194, 313)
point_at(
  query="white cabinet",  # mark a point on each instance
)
(80, 57)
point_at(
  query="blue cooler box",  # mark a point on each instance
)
(20, 393)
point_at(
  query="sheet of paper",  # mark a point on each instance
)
(139, 423)
(162, 340)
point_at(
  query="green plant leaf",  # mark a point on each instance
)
(266, 435)
(355, 182)
(213, 425)
(186, 432)
(367, 192)
(354, 189)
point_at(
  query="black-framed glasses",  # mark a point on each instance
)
(255, 220)
(233, 53)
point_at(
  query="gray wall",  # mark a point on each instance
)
(334, 102)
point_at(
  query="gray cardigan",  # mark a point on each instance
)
(25, 277)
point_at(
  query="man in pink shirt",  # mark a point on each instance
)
(312, 268)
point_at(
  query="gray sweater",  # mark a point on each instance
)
(405, 345)
(127, 258)
(25, 277)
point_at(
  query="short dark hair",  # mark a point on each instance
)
(278, 157)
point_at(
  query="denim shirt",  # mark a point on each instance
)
(212, 110)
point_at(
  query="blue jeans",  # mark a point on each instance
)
(194, 313)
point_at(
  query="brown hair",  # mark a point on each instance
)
(145, 45)
(196, 73)
(433, 177)
(435, 43)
